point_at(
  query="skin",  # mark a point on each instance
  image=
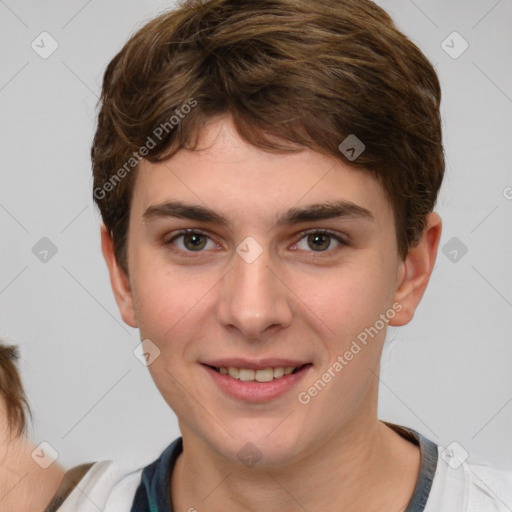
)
(24, 485)
(293, 301)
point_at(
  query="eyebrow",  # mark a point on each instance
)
(313, 212)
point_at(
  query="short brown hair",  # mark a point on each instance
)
(11, 390)
(291, 74)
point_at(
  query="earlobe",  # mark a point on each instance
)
(118, 280)
(415, 271)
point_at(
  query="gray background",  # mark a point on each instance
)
(447, 374)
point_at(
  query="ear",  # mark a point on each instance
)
(415, 271)
(118, 280)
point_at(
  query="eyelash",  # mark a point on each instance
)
(302, 234)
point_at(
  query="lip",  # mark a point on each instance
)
(259, 364)
(257, 392)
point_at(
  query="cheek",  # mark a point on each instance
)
(161, 306)
(348, 299)
(169, 301)
(167, 313)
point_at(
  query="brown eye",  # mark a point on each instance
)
(191, 241)
(319, 241)
(194, 241)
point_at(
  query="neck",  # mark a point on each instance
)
(366, 467)
(24, 485)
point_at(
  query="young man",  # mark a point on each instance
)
(266, 172)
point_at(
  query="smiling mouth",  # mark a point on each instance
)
(261, 375)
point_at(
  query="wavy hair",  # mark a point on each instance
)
(292, 74)
(11, 390)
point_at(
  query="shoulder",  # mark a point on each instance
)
(106, 486)
(115, 487)
(489, 487)
(468, 487)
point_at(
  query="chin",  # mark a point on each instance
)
(257, 444)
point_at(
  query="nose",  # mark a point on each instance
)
(254, 298)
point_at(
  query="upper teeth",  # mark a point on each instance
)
(264, 375)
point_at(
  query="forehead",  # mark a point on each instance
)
(227, 174)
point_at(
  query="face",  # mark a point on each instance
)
(280, 270)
